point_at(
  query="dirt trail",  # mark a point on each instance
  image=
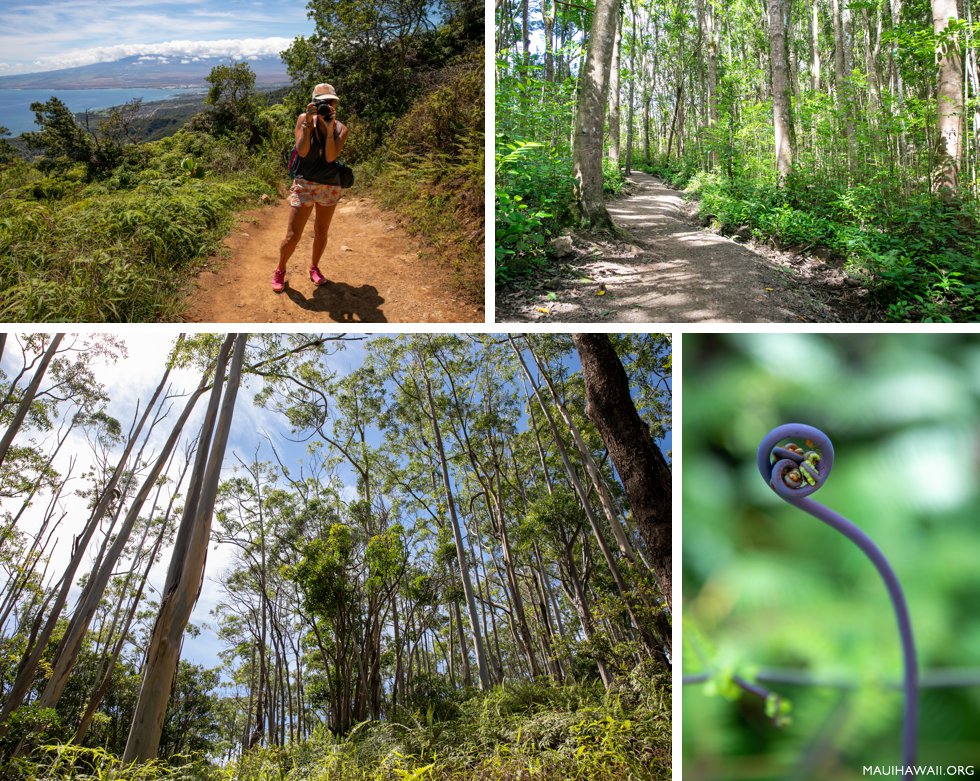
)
(677, 272)
(375, 270)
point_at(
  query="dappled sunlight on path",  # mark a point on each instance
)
(692, 275)
(672, 271)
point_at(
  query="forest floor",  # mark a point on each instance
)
(376, 272)
(672, 270)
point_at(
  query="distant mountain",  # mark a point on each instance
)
(146, 70)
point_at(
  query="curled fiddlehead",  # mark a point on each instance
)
(795, 460)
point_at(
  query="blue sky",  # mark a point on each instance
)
(37, 35)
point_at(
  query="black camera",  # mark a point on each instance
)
(321, 104)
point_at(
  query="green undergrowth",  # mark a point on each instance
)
(516, 731)
(535, 197)
(919, 255)
(432, 171)
(574, 732)
(119, 249)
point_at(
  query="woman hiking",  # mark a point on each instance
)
(320, 139)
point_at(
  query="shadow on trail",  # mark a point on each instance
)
(341, 302)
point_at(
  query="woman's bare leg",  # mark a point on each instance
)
(298, 216)
(324, 215)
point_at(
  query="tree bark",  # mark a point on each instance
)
(949, 97)
(614, 95)
(186, 574)
(639, 462)
(782, 110)
(590, 115)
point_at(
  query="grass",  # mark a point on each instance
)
(117, 250)
(432, 172)
(516, 731)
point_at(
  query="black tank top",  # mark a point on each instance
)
(314, 167)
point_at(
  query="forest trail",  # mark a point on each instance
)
(677, 272)
(376, 272)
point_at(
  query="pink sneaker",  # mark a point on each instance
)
(278, 281)
(316, 277)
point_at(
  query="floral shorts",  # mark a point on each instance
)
(306, 193)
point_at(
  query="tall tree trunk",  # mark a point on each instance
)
(548, 19)
(949, 97)
(457, 619)
(32, 657)
(613, 101)
(102, 686)
(590, 116)
(843, 89)
(641, 466)
(648, 636)
(782, 110)
(815, 46)
(186, 573)
(464, 569)
(591, 468)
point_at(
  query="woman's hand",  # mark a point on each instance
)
(311, 113)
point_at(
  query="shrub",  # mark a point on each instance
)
(920, 257)
(534, 192)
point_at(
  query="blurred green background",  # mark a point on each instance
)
(768, 588)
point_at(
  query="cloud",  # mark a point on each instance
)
(234, 48)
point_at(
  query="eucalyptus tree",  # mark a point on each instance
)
(105, 498)
(185, 574)
(949, 93)
(482, 419)
(133, 588)
(636, 602)
(779, 21)
(92, 594)
(639, 462)
(591, 112)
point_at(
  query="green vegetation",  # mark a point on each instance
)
(776, 597)
(431, 170)
(875, 170)
(555, 733)
(101, 228)
(119, 248)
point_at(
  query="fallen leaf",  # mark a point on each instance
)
(552, 296)
(770, 289)
(543, 310)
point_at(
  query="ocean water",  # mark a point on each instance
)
(15, 104)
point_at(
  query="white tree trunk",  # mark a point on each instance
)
(949, 96)
(186, 574)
